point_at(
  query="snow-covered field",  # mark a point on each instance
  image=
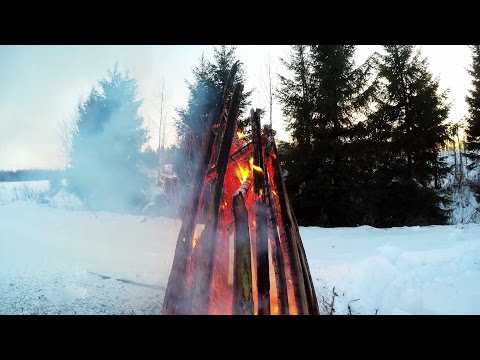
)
(55, 260)
(22, 190)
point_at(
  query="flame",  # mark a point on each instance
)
(242, 172)
(195, 240)
(255, 167)
(240, 134)
(275, 310)
(274, 193)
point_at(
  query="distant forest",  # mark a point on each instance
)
(30, 175)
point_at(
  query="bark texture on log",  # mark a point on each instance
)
(202, 277)
(242, 280)
(295, 265)
(261, 234)
(176, 299)
(304, 290)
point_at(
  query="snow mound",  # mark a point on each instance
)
(65, 200)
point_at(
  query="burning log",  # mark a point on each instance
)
(241, 152)
(267, 206)
(242, 281)
(261, 238)
(176, 294)
(200, 292)
(277, 258)
(292, 235)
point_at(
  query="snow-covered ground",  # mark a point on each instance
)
(59, 261)
(409, 270)
(22, 190)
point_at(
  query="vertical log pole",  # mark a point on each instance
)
(175, 301)
(291, 239)
(312, 303)
(242, 271)
(277, 257)
(263, 273)
(203, 267)
(176, 296)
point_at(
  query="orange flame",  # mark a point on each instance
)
(195, 240)
(242, 172)
(255, 167)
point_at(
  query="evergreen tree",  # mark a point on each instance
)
(407, 131)
(106, 150)
(473, 101)
(323, 99)
(225, 58)
(205, 94)
(296, 96)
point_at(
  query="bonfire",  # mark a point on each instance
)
(239, 249)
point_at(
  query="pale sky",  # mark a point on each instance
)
(40, 87)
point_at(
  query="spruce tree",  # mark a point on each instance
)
(106, 151)
(323, 99)
(473, 118)
(205, 93)
(296, 96)
(407, 131)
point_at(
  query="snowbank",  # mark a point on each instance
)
(414, 270)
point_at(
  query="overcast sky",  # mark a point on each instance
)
(41, 85)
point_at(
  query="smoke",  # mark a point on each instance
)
(108, 170)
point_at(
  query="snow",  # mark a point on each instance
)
(414, 270)
(65, 200)
(465, 207)
(49, 259)
(58, 258)
(22, 190)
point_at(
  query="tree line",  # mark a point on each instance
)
(366, 140)
(365, 144)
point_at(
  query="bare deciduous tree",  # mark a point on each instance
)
(65, 130)
(161, 130)
(268, 86)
